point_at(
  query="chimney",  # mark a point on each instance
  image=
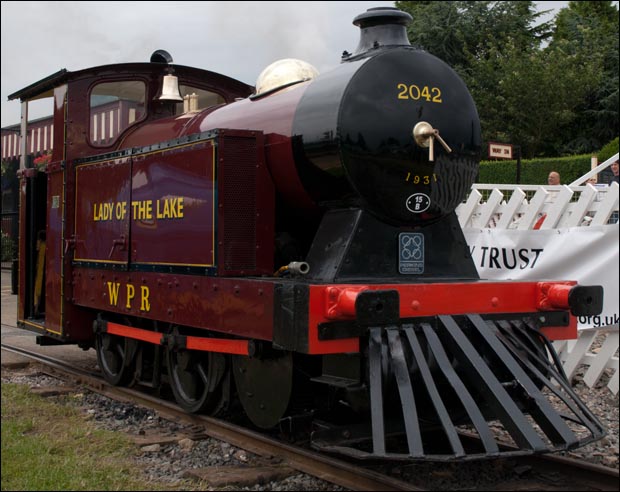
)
(380, 27)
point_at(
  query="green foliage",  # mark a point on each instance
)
(462, 33)
(516, 92)
(534, 171)
(608, 150)
(589, 31)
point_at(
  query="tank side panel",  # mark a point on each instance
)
(102, 212)
(172, 207)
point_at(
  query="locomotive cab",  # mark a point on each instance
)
(94, 112)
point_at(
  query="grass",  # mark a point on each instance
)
(50, 446)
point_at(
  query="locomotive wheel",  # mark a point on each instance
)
(115, 361)
(195, 378)
(264, 387)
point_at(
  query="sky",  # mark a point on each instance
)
(237, 39)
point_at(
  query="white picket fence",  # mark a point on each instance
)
(547, 207)
(538, 207)
(575, 353)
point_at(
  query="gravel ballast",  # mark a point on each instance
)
(171, 461)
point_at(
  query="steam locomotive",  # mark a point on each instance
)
(292, 249)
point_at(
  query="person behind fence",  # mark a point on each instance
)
(553, 178)
(614, 169)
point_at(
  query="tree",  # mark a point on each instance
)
(589, 32)
(463, 33)
(528, 97)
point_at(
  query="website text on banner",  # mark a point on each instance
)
(588, 255)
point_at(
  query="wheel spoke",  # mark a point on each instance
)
(112, 361)
(202, 373)
(186, 384)
(119, 348)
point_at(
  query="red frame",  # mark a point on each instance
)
(422, 300)
(221, 345)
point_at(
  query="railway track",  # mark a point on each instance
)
(331, 470)
(546, 472)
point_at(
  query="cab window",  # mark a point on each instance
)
(195, 99)
(114, 107)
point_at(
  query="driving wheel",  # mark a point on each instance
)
(114, 359)
(195, 378)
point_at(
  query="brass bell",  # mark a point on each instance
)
(170, 89)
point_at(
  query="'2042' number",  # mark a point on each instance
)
(432, 94)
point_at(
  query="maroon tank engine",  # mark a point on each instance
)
(291, 249)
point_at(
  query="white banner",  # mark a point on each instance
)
(588, 255)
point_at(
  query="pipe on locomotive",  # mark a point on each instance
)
(294, 268)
